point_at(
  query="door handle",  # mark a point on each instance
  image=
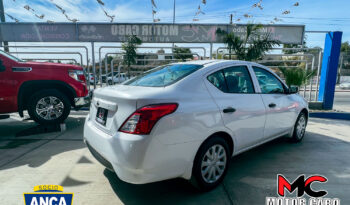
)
(21, 69)
(271, 105)
(229, 109)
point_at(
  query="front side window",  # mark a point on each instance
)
(232, 80)
(163, 75)
(268, 82)
(10, 56)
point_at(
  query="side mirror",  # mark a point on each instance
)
(293, 89)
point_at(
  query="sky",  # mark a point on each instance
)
(321, 15)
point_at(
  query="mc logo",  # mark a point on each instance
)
(301, 184)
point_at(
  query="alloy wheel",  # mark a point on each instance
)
(49, 108)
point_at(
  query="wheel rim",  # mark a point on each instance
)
(49, 108)
(301, 125)
(213, 163)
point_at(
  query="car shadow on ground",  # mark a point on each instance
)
(21, 138)
(252, 175)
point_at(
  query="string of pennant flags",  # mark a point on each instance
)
(247, 15)
(199, 12)
(30, 9)
(74, 20)
(285, 12)
(102, 5)
(11, 17)
(154, 12)
(259, 5)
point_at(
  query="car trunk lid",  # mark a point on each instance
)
(119, 102)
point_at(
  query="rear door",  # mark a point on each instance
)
(280, 108)
(242, 110)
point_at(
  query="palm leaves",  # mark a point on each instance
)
(296, 76)
(252, 47)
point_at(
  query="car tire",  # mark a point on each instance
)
(299, 128)
(207, 173)
(49, 106)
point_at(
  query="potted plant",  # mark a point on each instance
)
(296, 77)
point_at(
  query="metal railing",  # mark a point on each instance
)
(298, 50)
(296, 61)
(306, 69)
(138, 60)
(31, 52)
(52, 59)
(141, 47)
(70, 47)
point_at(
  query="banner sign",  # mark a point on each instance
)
(148, 33)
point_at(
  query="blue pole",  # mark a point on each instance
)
(329, 69)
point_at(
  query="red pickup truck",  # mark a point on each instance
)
(46, 90)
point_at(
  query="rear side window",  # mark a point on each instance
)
(232, 80)
(238, 80)
(164, 75)
(218, 80)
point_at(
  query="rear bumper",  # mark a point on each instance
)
(135, 159)
(99, 157)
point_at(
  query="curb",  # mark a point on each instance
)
(331, 115)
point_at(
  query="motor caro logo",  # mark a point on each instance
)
(301, 186)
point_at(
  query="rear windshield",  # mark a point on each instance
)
(163, 75)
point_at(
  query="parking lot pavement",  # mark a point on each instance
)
(61, 158)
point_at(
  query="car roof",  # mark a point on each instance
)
(212, 62)
(209, 63)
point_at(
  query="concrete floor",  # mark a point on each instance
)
(62, 158)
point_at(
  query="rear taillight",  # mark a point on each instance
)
(77, 75)
(142, 120)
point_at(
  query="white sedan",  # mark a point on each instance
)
(117, 78)
(188, 119)
(345, 85)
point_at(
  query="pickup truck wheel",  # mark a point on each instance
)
(49, 107)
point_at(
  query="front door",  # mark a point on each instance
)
(8, 93)
(242, 110)
(280, 108)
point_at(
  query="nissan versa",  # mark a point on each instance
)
(188, 119)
